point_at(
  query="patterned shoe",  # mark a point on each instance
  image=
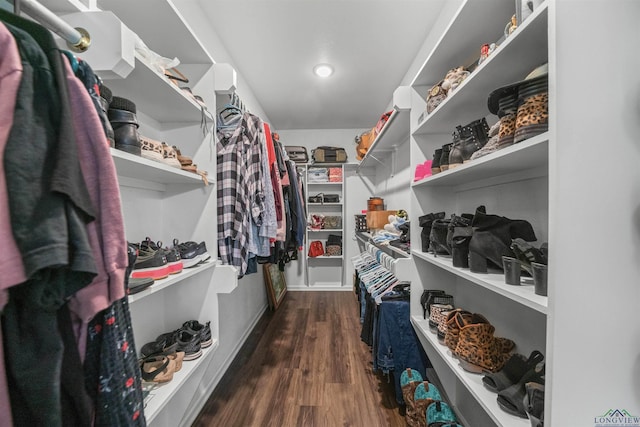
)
(170, 156)
(203, 331)
(478, 349)
(151, 149)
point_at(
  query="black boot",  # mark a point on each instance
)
(491, 240)
(105, 100)
(426, 221)
(435, 164)
(444, 158)
(472, 137)
(122, 115)
(458, 237)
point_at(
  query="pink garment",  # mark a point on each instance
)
(11, 266)
(106, 233)
(281, 233)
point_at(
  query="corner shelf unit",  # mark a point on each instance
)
(512, 182)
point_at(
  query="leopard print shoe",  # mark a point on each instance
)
(478, 349)
(151, 149)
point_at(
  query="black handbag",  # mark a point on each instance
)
(330, 198)
(316, 199)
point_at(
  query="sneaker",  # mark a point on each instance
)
(192, 253)
(189, 343)
(132, 285)
(163, 344)
(203, 331)
(173, 255)
(150, 264)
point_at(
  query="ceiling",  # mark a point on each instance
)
(275, 44)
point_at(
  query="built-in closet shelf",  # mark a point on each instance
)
(323, 183)
(532, 153)
(473, 382)
(365, 237)
(140, 168)
(161, 27)
(161, 284)
(324, 204)
(523, 294)
(160, 396)
(326, 257)
(520, 53)
(65, 6)
(394, 133)
(325, 230)
(155, 96)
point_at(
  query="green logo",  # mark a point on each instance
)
(617, 418)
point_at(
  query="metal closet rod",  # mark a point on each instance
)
(78, 39)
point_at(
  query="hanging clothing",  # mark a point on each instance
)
(106, 233)
(240, 189)
(49, 208)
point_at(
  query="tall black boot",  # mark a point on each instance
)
(122, 115)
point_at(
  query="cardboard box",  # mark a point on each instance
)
(376, 220)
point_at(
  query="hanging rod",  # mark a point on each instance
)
(78, 39)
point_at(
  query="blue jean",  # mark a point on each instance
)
(398, 347)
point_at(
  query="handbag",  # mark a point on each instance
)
(332, 222)
(326, 154)
(330, 198)
(382, 121)
(334, 239)
(316, 249)
(318, 198)
(364, 141)
(333, 250)
(297, 153)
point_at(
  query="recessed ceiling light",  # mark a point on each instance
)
(323, 70)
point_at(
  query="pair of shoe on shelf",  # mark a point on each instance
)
(520, 386)
(477, 241)
(153, 261)
(161, 358)
(466, 140)
(125, 136)
(424, 403)
(470, 337)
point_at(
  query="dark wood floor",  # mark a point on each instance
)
(304, 365)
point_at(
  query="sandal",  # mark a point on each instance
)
(175, 76)
(515, 368)
(184, 160)
(177, 357)
(511, 399)
(158, 369)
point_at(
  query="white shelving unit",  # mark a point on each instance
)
(325, 272)
(173, 279)
(512, 182)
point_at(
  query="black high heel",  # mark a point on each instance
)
(526, 253)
